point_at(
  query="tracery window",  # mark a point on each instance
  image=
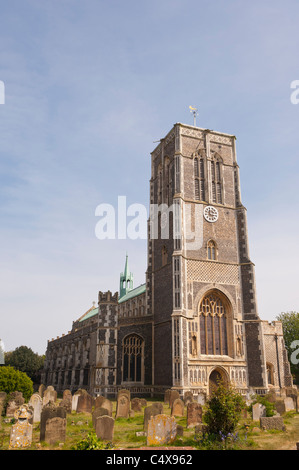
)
(132, 358)
(216, 181)
(199, 179)
(213, 325)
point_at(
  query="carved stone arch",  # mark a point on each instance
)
(217, 374)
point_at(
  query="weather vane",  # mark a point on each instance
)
(195, 113)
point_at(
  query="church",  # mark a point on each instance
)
(195, 320)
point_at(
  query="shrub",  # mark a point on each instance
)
(91, 442)
(12, 380)
(223, 412)
(270, 407)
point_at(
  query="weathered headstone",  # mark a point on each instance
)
(50, 395)
(194, 414)
(97, 412)
(104, 428)
(289, 404)
(173, 395)
(161, 430)
(136, 404)
(274, 422)
(21, 432)
(167, 395)
(85, 403)
(280, 406)
(37, 405)
(49, 412)
(149, 411)
(122, 406)
(201, 398)
(15, 400)
(143, 402)
(55, 430)
(66, 401)
(41, 390)
(103, 402)
(177, 408)
(258, 411)
(188, 397)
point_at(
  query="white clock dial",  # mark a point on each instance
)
(210, 214)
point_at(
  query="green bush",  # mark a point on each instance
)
(12, 380)
(223, 412)
(262, 399)
(91, 442)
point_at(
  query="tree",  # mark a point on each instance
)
(12, 380)
(25, 360)
(290, 326)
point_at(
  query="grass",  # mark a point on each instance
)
(79, 426)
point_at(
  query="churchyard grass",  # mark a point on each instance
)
(79, 426)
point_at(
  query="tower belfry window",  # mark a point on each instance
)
(216, 184)
(199, 179)
(212, 251)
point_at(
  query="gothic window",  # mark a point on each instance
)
(199, 179)
(216, 181)
(212, 250)
(132, 358)
(213, 325)
(270, 373)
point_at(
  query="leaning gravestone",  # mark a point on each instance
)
(37, 405)
(55, 429)
(21, 432)
(104, 427)
(194, 414)
(161, 430)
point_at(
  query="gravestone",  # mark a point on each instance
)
(122, 406)
(37, 404)
(55, 430)
(289, 404)
(188, 397)
(49, 412)
(85, 403)
(15, 400)
(280, 406)
(201, 398)
(136, 404)
(177, 408)
(103, 402)
(258, 411)
(274, 422)
(161, 430)
(66, 401)
(166, 396)
(50, 395)
(194, 414)
(21, 432)
(97, 412)
(174, 394)
(104, 428)
(41, 390)
(143, 402)
(149, 411)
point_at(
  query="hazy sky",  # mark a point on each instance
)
(89, 87)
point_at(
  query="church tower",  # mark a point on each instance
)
(200, 278)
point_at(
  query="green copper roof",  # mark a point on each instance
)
(132, 293)
(90, 313)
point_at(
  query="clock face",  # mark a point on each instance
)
(210, 214)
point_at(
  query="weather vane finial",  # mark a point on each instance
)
(195, 113)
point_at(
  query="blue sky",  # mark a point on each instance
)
(89, 87)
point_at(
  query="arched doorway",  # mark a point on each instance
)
(216, 377)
